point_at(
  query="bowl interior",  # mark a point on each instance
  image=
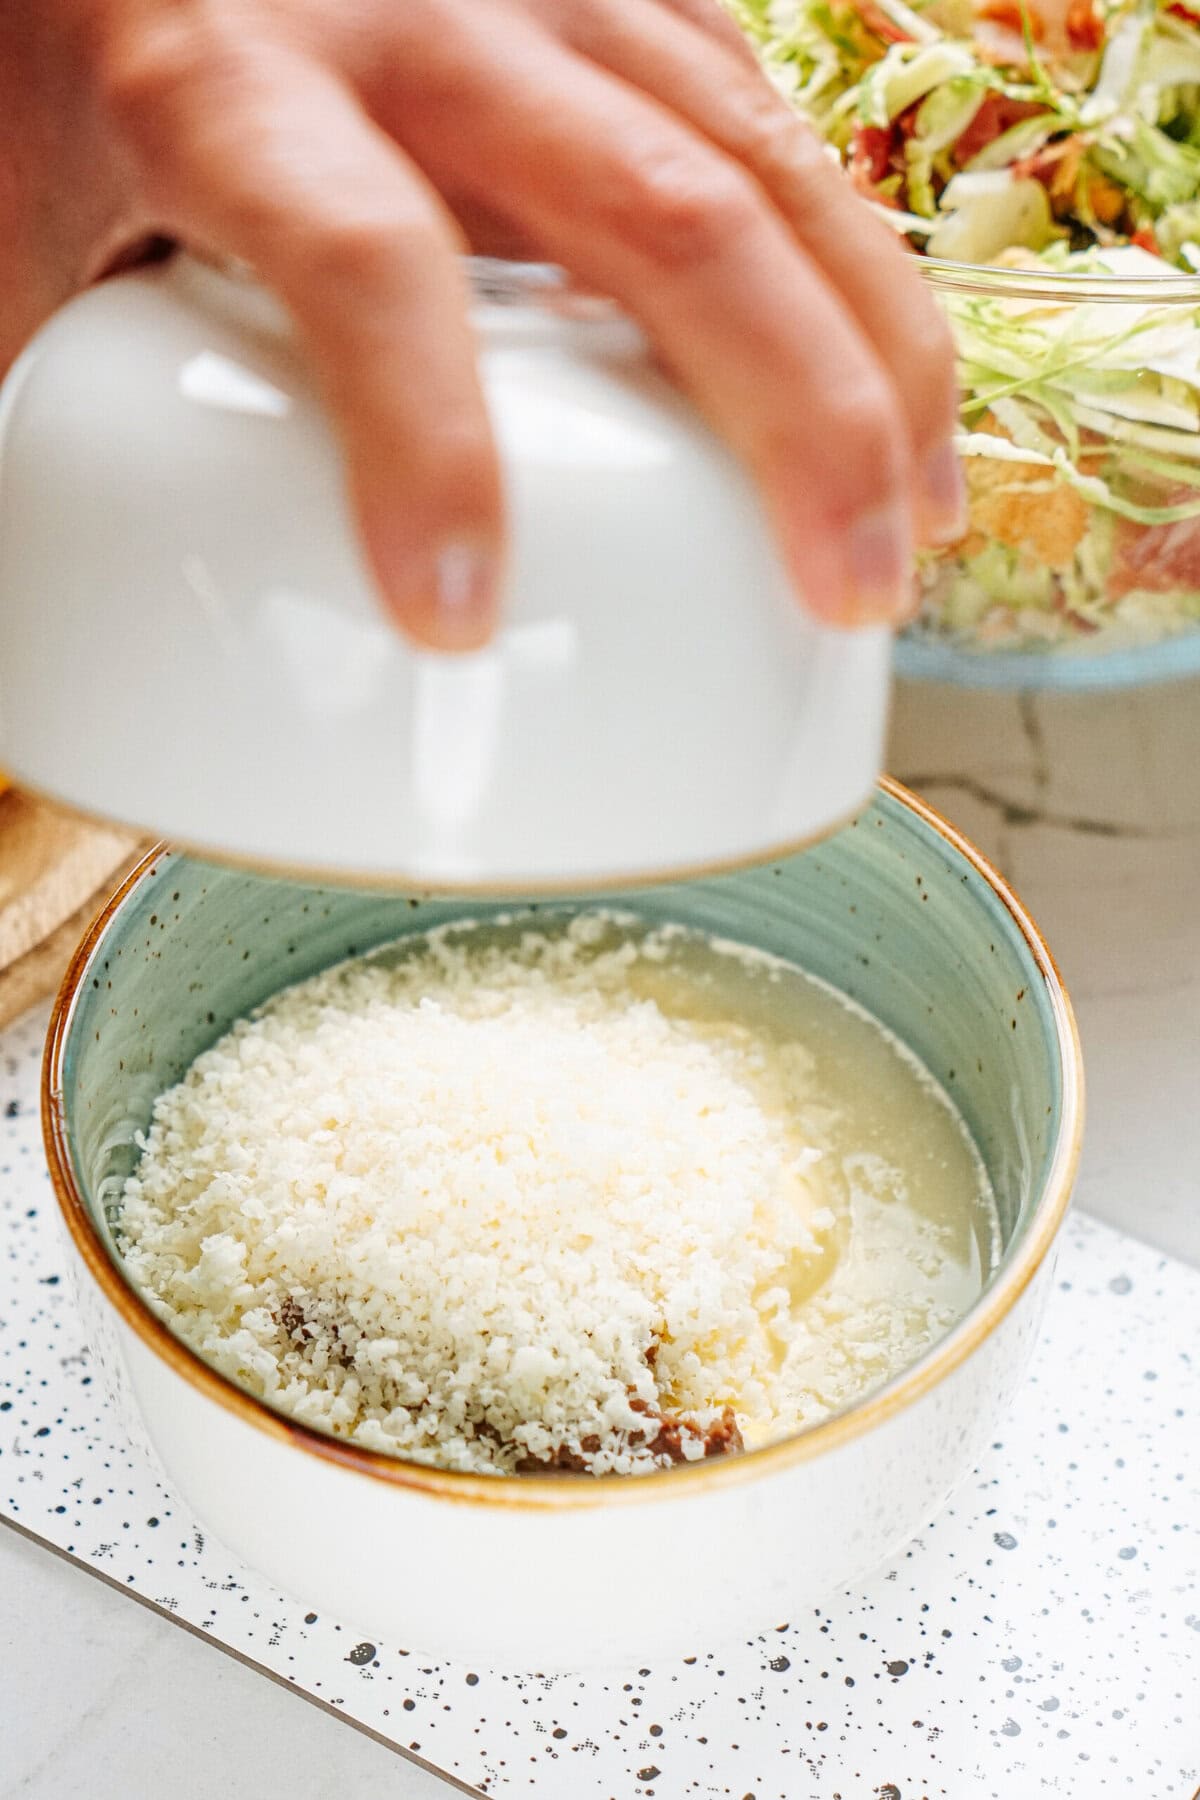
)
(891, 911)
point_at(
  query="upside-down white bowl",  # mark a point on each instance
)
(189, 642)
(545, 1572)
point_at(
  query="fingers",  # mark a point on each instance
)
(642, 207)
(737, 109)
(261, 154)
(697, 201)
(711, 17)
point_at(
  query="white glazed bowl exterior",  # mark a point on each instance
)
(663, 1569)
(653, 1574)
(189, 642)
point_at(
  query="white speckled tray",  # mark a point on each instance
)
(1042, 1638)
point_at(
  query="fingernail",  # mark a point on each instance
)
(464, 595)
(943, 495)
(879, 549)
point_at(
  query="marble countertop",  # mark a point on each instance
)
(1091, 806)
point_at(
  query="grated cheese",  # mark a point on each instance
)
(495, 1203)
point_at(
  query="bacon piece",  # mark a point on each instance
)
(881, 26)
(994, 117)
(1159, 558)
(1055, 165)
(1012, 16)
(1085, 27)
(870, 158)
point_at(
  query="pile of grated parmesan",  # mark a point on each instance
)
(487, 1204)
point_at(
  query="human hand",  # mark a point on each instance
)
(349, 152)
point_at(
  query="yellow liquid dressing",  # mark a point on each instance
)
(914, 1233)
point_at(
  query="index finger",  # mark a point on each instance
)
(267, 156)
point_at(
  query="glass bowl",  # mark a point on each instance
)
(1080, 568)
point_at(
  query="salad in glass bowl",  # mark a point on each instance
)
(1043, 156)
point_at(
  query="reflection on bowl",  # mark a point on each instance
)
(1080, 567)
(543, 1571)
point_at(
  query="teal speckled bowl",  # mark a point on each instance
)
(896, 911)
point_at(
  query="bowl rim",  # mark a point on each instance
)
(513, 886)
(995, 282)
(552, 1492)
(546, 292)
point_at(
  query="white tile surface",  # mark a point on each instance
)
(101, 1698)
(1093, 809)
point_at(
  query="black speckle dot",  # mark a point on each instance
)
(472, 1681)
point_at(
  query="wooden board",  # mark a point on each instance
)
(54, 874)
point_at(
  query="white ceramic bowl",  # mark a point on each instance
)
(189, 642)
(543, 1572)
